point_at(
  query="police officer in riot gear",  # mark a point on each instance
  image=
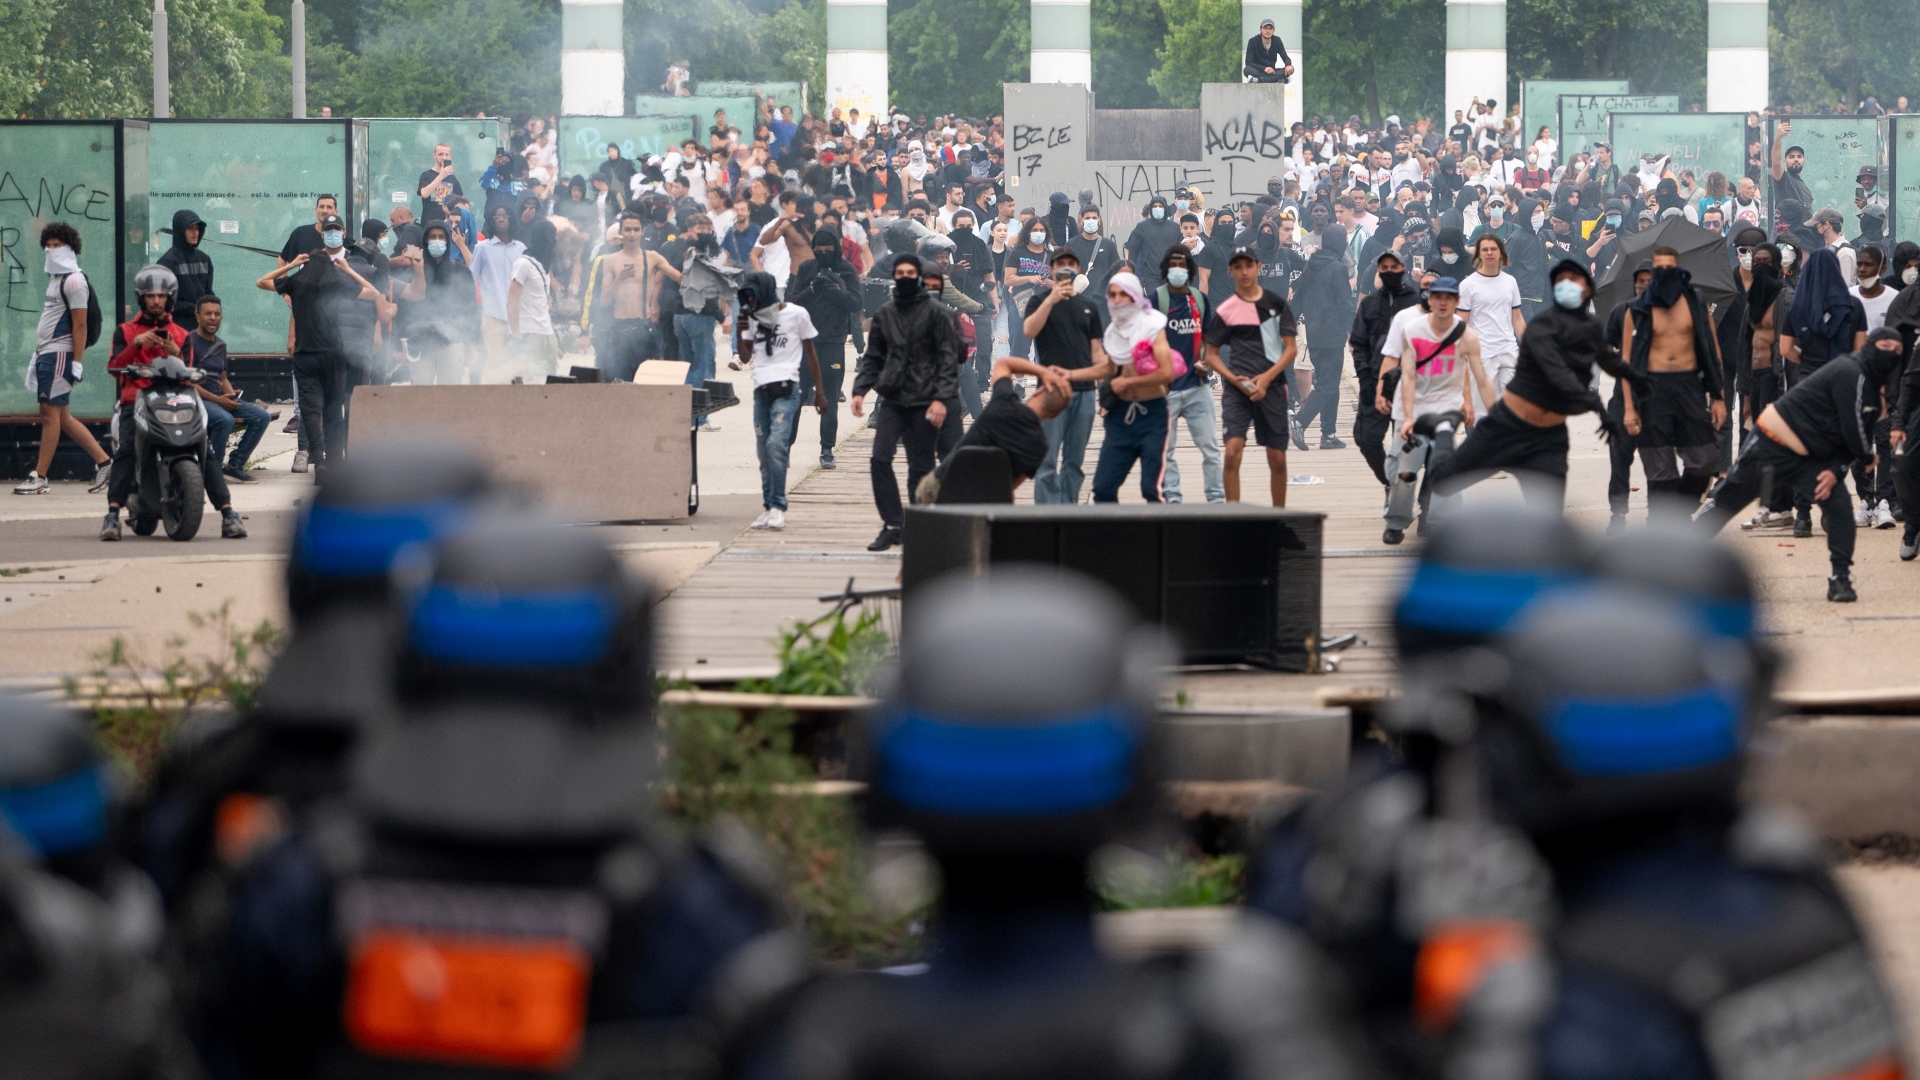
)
(494, 894)
(1014, 743)
(82, 993)
(1386, 869)
(1692, 938)
(221, 793)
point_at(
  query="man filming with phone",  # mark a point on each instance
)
(1066, 329)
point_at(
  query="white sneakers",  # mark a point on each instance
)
(1863, 516)
(299, 461)
(1767, 519)
(770, 519)
(1883, 516)
(34, 484)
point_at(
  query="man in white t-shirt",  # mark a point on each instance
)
(532, 350)
(1490, 299)
(775, 335)
(1437, 355)
(1872, 292)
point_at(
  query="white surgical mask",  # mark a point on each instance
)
(1177, 277)
(62, 260)
(386, 243)
(1786, 257)
(1568, 294)
(436, 248)
(1495, 213)
(1449, 257)
(333, 238)
(1182, 204)
(1910, 275)
(1746, 260)
(1159, 212)
(1539, 220)
(1091, 226)
(1038, 236)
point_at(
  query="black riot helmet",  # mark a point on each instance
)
(1608, 704)
(1479, 571)
(524, 690)
(56, 793)
(1019, 720)
(391, 494)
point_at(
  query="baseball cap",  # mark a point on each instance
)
(1869, 170)
(1444, 285)
(1265, 23)
(332, 221)
(1240, 253)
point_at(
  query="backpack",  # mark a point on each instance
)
(93, 311)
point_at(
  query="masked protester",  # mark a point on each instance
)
(829, 288)
(912, 361)
(1014, 746)
(1526, 430)
(1372, 327)
(1807, 439)
(1099, 255)
(1157, 231)
(445, 321)
(189, 262)
(499, 833)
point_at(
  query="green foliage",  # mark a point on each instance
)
(23, 32)
(721, 766)
(96, 60)
(1840, 50)
(1127, 35)
(1202, 45)
(137, 701)
(433, 58)
(827, 656)
(1180, 878)
(947, 56)
(1375, 58)
(1660, 46)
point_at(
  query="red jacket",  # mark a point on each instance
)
(125, 353)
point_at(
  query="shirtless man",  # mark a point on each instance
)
(792, 233)
(1668, 336)
(630, 281)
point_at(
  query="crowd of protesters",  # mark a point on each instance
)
(914, 263)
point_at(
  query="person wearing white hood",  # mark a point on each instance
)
(913, 181)
(56, 366)
(1139, 364)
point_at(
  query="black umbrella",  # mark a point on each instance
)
(1702, 251)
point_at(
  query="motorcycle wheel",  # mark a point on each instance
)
(181, 514)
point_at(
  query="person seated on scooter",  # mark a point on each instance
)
(225, 410)
(151, 334)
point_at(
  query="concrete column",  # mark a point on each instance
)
(1290, 28)
(1736, 55)
(857, 56)
(1476, 54)
(1062, 42)
(162, 87)
(593, 59)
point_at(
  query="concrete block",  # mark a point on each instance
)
(1853, 777)
(593, 452)
(1301, 746)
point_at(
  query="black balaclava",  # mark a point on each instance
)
(908, 290)
(1669, 284)
(826, 246)
(1885, 366)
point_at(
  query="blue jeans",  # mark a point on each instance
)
(1063, 469)
(696, 348)
(1195, 405)
(1136, 430)
(220, 425)
(773, 418)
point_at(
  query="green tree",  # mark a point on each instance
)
(1202, 45)
(953, 55)
(96, 60)
(1126, 38)
(1838, 51)
(1659, 46)
(433, 58)
(793, 44)
(1375, 58)
(23, 33)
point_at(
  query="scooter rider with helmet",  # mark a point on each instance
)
(1018, 740)
(151, 334)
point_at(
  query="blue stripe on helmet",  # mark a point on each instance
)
(339, 541)
(1454, 600)
(1728, 618)
(65, 815)
(549, 629)
(948, 767)
(1625, 737)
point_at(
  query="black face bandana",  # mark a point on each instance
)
(1391, 280)
(1668, 285)
(907, 290)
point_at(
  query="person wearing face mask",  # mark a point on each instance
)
(1902, 275)
(1059, 219)
(1221, 241)
(1604, 241)
(1189, 316)
(445, 319)
(1066, 329)
(59, 358)
(1669, 339)
(1325, 302)
(1808, 438)
(913, 361)
(1494, 220)
(1620, 451)
(1150, 239)
(1904, 429)
(317, 284)
(1096, 251)
(1367, 338)
(1874, 486)
(1138, 364)
(367, 328)
(692, 305)
(1024, 273)
(1526, 430)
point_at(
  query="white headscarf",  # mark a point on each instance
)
(1132, 323)
(916, 160)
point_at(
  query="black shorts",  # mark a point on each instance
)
(1269, 416)
(1674, 411)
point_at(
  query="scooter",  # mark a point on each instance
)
(170, 449)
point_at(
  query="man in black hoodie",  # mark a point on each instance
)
(913, 361)
(1808, 438)
(1150, 239)
(1372, 325)
(1525, 432)
(828, 286)
(190, 265)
